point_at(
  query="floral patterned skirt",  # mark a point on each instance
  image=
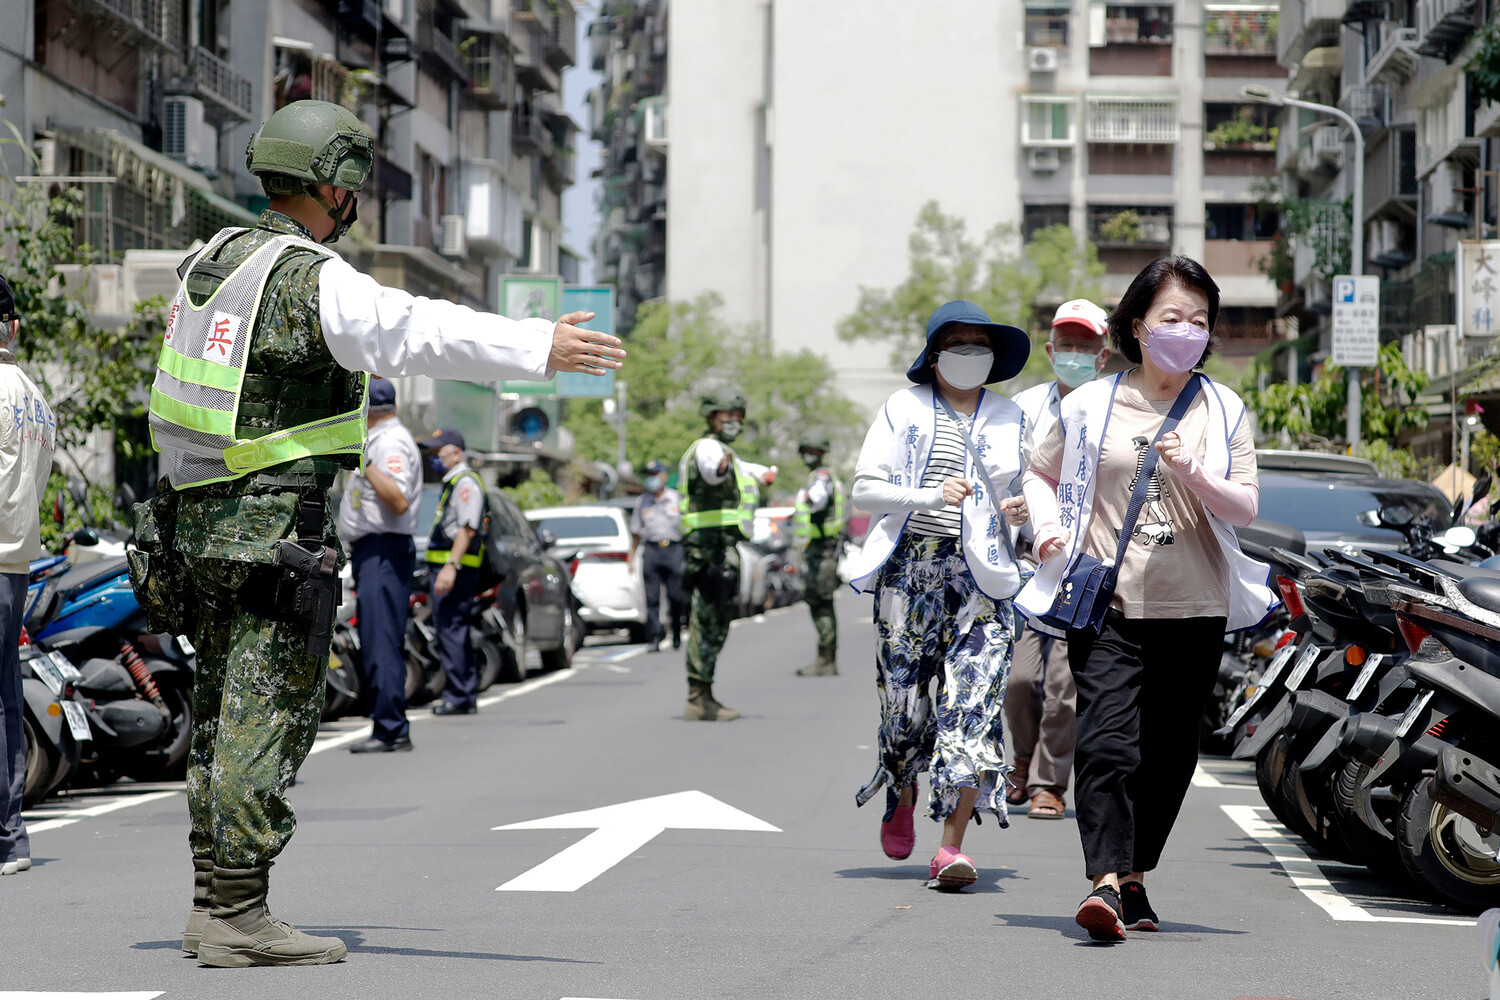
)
(941, 668)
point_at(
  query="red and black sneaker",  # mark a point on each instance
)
(1137, 908)
(1101, 915)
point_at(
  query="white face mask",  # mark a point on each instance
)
(966, 366)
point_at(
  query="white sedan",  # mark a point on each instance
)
(606, 581)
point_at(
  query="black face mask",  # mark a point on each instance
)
(350, 215)
(436, 465)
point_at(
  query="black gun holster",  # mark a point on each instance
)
(305, 585)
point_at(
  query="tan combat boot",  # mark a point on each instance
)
(241, 932)
(823, 666)
(203, 876)
(701, 706)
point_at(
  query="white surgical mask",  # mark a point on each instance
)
(966, 366)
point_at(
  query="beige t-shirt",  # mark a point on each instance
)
(1173, 567)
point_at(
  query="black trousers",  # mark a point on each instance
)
(663, 566)
(1142, 687)
(382, 587)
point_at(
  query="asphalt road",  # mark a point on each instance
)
(762, 881)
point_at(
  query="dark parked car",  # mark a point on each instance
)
(1337, 509)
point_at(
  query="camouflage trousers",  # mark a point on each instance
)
(821, 587)
(257, 698)
(708, 627)
(713, 573)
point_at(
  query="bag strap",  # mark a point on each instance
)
(1148, 465)
(963, 432)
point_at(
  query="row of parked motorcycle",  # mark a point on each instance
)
(1371, 702)
(103, 697)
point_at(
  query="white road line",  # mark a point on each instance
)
(1307, 876)
(39, 995)
(1202, 779)
(74, 815)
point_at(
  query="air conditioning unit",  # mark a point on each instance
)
(185, 135)
(1041, 60)
(453, 236)
(1043, 159)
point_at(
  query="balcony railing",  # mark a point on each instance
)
(1131, 120)
(1328, 146)
(1115, 227)
(1369, 106)
(1444, 25)
(489, 69)
(1396, 60)
(529, 134)
(154, 21)
(1247, 32)
(562, 37)
(226, 95)
(532, 70)
(438, 43)
(1307, 25)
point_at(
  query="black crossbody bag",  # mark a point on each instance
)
(1084, 596)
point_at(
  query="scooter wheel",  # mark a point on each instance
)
(1445, 852)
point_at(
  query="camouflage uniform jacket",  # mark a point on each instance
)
(243, 519)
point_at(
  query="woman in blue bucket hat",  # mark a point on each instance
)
(940, 471)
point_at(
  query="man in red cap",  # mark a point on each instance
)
(1043, 729)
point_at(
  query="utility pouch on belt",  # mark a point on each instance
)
(719, 584)
(308, 591)
(158, 571)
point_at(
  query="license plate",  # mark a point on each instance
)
(44, 668)
(1277, 662)
(78, 720)
(1305, 663)
(65, 666)
(1366, 675)
(1417, 710)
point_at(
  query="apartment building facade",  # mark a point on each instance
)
(805, 138)
(1397, 67)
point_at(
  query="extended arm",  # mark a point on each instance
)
(879, 496)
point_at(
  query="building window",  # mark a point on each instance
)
(1112, 226)
(1241, 30)
(1047, 23)
(1129, 119)
(1238, 126)
(1240, 222)
(1047, 121)
(1038, 217)
(1137, 24)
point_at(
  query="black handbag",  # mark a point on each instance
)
(1084, 596)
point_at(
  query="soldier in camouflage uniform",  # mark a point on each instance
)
(719, 493)
(819, 525)
(257, 405)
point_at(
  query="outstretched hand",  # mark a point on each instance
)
(577, 350)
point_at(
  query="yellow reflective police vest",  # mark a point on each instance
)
(195, 398)
(440, 546)
(836, 515)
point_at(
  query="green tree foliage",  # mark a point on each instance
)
(93, 376)
(1483, 71)
(1484, 452)
(678, 351)
(537, 491)
(1313, 414)
(947, 263)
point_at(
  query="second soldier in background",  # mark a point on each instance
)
(819, 525)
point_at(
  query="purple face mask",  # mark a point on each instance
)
(1176, 347)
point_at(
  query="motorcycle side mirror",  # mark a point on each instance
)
(1460, 537)
(85, 536)
(1369, 518)
(1396, 516)
(548, 537)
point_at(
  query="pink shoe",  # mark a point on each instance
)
(951, 870)
(898, 836)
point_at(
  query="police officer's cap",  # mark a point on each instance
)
(655, 467)
(721, 400)
(382, 393)
(445, 436)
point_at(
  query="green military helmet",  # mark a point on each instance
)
(308, 143)
(814, 441)
(720, 400)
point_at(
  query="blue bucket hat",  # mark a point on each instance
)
(1011, 345)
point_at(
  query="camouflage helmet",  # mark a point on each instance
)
(814, 441)
(720, 400)
(308, 143)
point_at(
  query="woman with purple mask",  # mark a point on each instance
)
(1181, 582)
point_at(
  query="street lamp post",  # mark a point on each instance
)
(1357, 226)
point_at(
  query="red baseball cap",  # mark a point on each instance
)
(1084, 313)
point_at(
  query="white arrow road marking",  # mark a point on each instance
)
(22, 995)
(619, 831)
(1307, 876)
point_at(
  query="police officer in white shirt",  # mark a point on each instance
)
(28, 435)
(377, 518)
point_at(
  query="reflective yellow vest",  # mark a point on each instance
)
(735, 511)
(836, 515)
(195, 399)
(440, 546)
